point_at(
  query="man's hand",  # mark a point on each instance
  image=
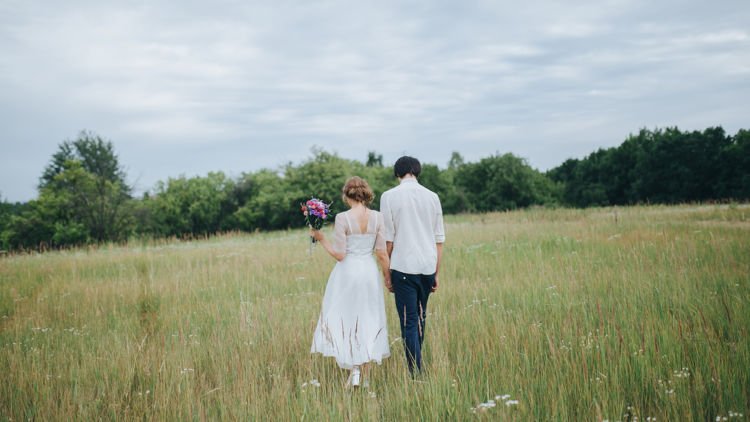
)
(439, 247)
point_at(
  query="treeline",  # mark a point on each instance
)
(660, 166)
(84, 197)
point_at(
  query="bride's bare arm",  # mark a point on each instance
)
(383, 252)
(385, 267)
(318, 235)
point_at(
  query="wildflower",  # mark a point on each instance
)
(313, 383)
(682, 373)
(511, 403)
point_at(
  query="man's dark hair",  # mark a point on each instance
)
(407, 165)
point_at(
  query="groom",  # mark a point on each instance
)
(414, 238)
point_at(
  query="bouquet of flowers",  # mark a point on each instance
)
(316, 212)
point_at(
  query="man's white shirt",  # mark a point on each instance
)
(414, 223)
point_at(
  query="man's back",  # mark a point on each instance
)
(414, 223)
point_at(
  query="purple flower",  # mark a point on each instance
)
(315, 212)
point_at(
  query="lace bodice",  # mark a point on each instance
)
(349, 238)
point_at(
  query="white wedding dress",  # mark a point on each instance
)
(352, 323)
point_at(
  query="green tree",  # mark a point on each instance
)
(272, 203)
(85, 174)
(32, 229)
(96, 156)
(453, 197)
(322, 176)
(442, 183)
(380, 180)
(90, 202)
(8, 211)
(681, 166)
(456, 161)
(83, 197)
(503, 182)
(734, 176)
(54, 219)
(192, 206)
(661, 166)
(374, 159)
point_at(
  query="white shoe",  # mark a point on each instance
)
(355, 377)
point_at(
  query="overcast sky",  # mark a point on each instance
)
(189, 87)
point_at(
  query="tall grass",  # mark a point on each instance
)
(551, 314)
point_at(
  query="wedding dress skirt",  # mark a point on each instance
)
(352, 323)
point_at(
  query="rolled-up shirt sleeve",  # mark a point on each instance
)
(385, 209)
(439, 226)
(380, 233)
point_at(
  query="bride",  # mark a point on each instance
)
(352, 323)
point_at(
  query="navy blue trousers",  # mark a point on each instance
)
(411, 292)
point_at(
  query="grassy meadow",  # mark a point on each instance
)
(598, 314)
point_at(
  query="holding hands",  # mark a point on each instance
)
(388, 283)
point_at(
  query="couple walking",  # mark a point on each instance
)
(407, 237)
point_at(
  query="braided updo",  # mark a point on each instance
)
(357, 189)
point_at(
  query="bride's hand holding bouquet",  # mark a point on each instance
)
(316, 213)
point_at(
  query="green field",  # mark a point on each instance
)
(599, 314)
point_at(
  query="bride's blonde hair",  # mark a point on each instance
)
(357, 189)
